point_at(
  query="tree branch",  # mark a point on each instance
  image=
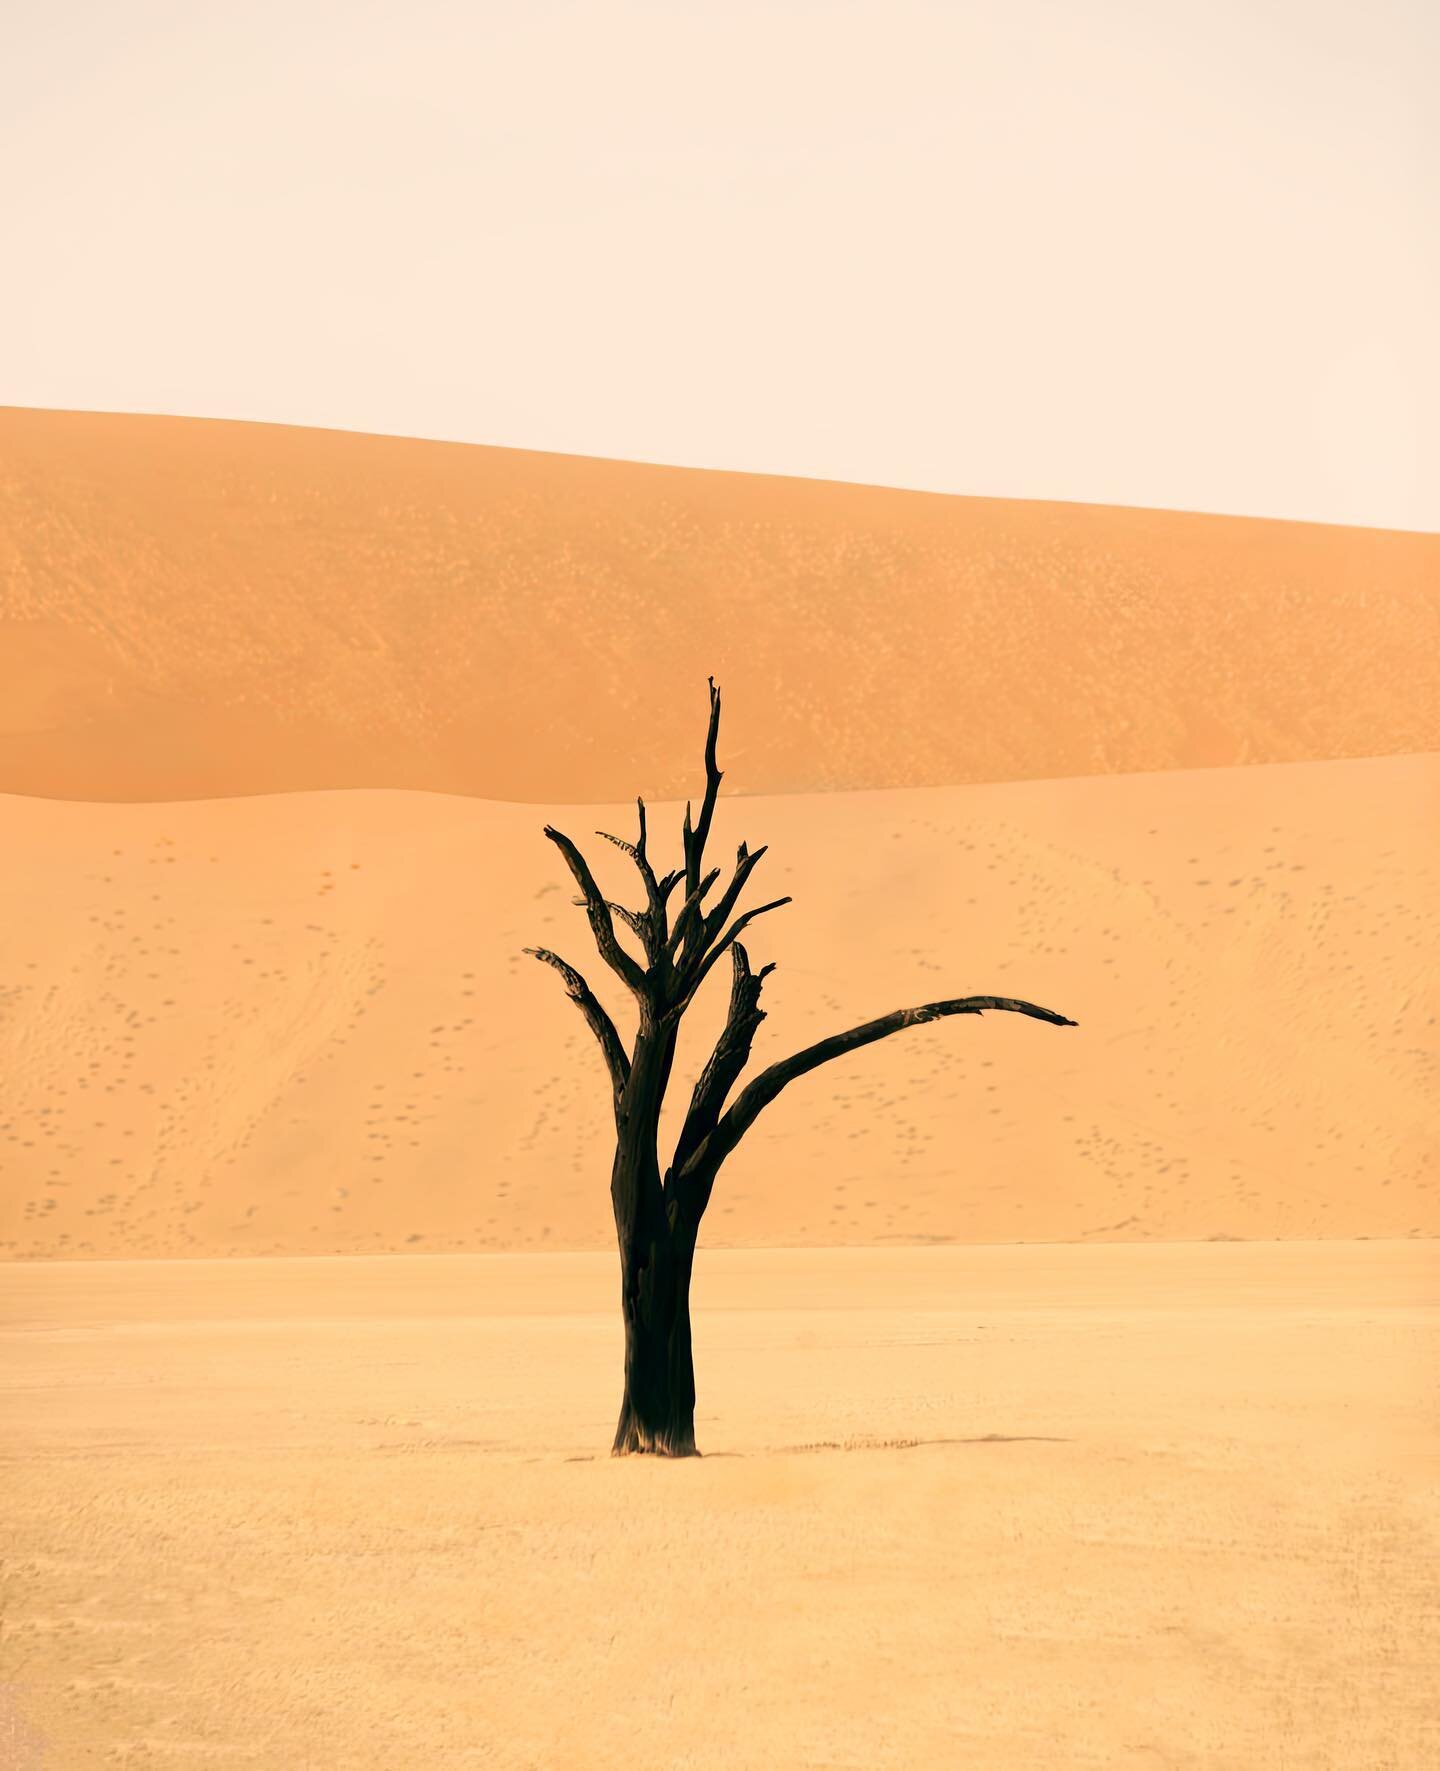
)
(651, 929)
(695, 839)
(598, 910)
(600, 1023)
(739, 923)
(745, 865)
(702, 971)
(620, 843)
(729, 1058)
(633, 920)
(690, 910)
(758, 1095)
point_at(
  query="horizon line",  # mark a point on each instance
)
(693, 468)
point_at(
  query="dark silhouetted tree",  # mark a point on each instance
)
(657, 1216)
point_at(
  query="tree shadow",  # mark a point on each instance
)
(899, 1444)
(854, 1445)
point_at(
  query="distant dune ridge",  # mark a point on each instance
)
(201, 609)
(291, 1014)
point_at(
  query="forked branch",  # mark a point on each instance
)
(741, 922)
(711, 923)
(690, 911)
(729, 1058)
(635, 921)
(697, 974)
(598, 910)
(651, 927)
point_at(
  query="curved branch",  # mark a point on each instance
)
(753, 1099)
(620, 843)
(598, 910)
(600, 1023)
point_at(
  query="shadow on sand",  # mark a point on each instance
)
(864, 1445)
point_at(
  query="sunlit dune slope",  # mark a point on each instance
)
(194, 608)
(304, 1023)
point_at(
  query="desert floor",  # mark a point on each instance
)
(1119, 1505)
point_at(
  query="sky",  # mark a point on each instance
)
(1113, 251)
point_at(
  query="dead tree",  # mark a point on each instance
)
(657, 1217)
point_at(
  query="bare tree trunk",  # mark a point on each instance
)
(657, 1411)
(657, 1249)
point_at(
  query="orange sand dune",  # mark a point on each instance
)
(304, 1023)
(194, 608)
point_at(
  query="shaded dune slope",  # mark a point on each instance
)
(199, 609)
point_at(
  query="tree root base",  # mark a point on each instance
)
(636, 1441)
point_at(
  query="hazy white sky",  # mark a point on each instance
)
(1162, 252)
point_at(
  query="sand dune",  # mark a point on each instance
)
(1027, 1509)
(267, 700)
(193, 608)
(304, 1023)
